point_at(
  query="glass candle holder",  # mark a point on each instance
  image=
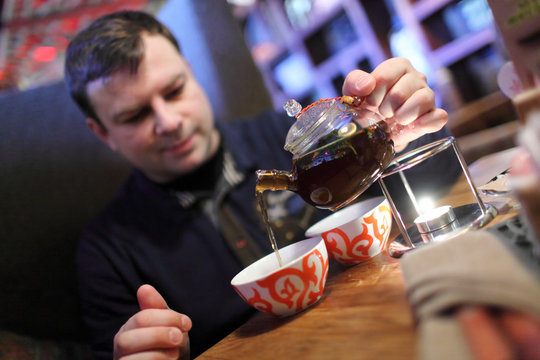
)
(432, 224)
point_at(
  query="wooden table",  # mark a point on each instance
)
(363, 314)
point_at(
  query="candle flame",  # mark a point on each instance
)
(426, 204)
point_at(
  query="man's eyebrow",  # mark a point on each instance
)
(134, 109)
(174, 82)
(138, 107)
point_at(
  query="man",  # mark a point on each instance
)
(186, 220)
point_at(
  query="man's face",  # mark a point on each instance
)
(159, 119)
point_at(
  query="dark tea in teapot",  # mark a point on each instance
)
(328, 176)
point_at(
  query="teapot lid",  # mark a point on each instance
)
(312, 123)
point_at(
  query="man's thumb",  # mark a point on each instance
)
(149, 298)
(359, 83)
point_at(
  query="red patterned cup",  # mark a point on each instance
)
(357, 232)
(291, 288)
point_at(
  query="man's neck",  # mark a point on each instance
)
(203, 178)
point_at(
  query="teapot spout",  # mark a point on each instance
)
(274, 180)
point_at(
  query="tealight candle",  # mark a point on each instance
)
(435, 219)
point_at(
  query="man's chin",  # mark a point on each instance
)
(187, 166)
(172, 172)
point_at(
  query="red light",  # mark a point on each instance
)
(44, 54)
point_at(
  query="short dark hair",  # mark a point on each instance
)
(110, 43)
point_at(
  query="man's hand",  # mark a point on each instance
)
(155, 332)
(401, 95)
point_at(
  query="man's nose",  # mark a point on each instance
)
(166, 119)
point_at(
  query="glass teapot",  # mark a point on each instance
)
(339, 149)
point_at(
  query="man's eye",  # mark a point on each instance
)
(174, 93)
(136, 117)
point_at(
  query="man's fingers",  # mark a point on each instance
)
(169, 354)
(158, 333)
(524, 332)
(148, 339)
(158, 317)
(400, 93)
(431, 121)
(386, 75)
(419, 103)
(485, 339)
(150, 298)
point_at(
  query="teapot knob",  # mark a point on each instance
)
(292, 107)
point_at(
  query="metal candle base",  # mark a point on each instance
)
(468, 217)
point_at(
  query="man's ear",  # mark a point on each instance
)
(100, 132)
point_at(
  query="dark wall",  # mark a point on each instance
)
(54, 176)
